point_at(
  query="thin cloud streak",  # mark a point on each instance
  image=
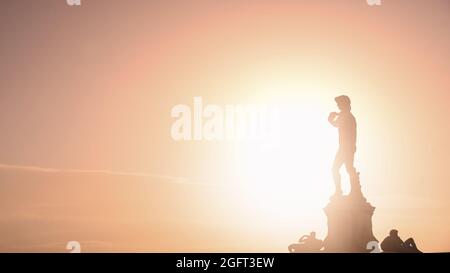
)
(173, 179)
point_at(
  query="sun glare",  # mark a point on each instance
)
(291, 179)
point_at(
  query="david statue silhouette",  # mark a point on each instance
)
(346, 123)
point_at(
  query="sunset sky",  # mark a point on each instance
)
(86, 94)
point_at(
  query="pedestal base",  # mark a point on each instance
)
(349, 224)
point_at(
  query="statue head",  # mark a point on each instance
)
(343, 102)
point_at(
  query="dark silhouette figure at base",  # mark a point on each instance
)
(307, 243)
(393, 244)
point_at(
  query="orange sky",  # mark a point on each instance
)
(90, 88)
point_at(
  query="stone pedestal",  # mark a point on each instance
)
(349, 224)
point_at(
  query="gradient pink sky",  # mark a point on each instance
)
(91, 88)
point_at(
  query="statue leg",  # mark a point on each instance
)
(351, 170)
(338, 161)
